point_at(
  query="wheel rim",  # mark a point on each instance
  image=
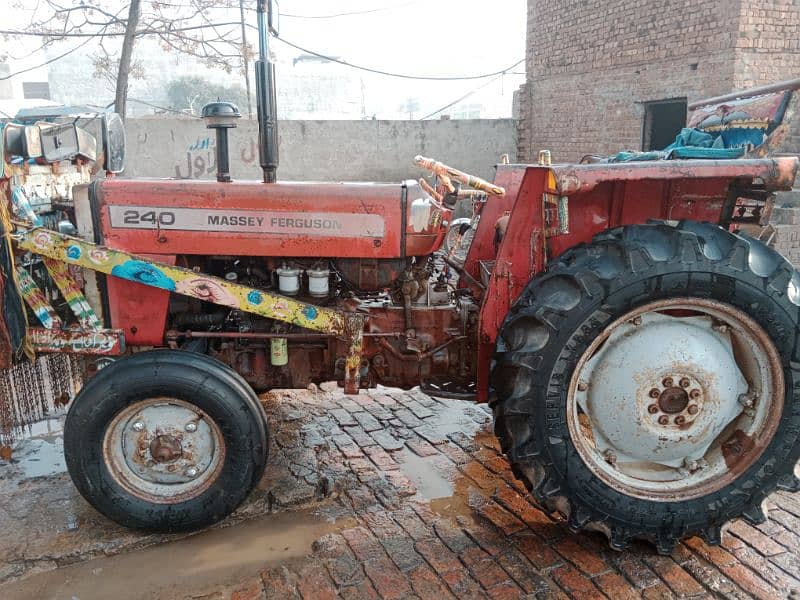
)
(163, 450)
(676, 399)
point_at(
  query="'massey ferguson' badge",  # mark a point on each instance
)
(248, 221)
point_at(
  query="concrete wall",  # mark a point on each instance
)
(321, 150)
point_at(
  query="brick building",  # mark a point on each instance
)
(610, 75)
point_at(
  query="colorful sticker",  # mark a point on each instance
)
(142, 272)
(36, 300)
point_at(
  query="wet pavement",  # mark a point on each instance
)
(387, 494)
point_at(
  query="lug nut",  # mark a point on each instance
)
(722, 328)
(667, 383)
(685, 382)
(654, 393)
(191, 427)
(746, 400)
(694, 409)
(652, 409)
(663, 420)
(582, 386)
(610, 457)
(138, 426)
(191, 472)
(637, 320)
(694, 394)
(680, 420)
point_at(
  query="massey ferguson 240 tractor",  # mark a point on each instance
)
(641, 357)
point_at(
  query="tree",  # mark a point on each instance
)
(200, 28)
(189, 94)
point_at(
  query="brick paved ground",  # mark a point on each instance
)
(489, 540)
(426, 507)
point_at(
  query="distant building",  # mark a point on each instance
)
(608, 75)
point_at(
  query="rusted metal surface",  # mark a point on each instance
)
(695, 391)
(164, 450)
(781, 86)
(430, 191)
(98, 342)
(771, 174)
(443, 170)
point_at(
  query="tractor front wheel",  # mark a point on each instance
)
(648, 386)
(166, 441)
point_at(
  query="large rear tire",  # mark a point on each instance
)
(166, 441)
(648, 385)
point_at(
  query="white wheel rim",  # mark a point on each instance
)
(676, 399)
(163, 450)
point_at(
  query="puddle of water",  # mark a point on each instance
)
(40, 451)
(428, 480)
(458, 417)
(448, 492)
(460, 503)
(190, 565)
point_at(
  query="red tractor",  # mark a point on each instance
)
(640, 355)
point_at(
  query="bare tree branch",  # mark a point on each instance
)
(191, 27)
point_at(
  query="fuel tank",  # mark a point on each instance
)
(347, 220)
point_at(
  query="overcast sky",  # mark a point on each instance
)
(419, 37)
(415, 37)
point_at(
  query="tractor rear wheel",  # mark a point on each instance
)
(166, 441)
(648, 386)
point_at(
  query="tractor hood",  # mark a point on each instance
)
(348, 220)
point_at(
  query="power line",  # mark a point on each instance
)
(47, 62)
(348, 14)
(141, 32)
(400, 75)
(464, 97)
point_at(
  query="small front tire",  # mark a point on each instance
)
(166, 441)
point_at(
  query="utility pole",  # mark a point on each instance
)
(245, 60)
(121, 92)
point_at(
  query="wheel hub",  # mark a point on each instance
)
(673, 400)
(163, 448)
(661, 389)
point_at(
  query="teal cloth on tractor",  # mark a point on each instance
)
(689, 143)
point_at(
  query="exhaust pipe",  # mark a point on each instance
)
(265, 94)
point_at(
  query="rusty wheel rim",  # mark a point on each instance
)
(163, 450)
(676, 399)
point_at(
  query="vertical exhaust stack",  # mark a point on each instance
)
(265, 93)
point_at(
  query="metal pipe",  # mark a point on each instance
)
(266, 103)
(174, 334)
(223, 156)
(424, 355)
(790, 84)
(245, 336)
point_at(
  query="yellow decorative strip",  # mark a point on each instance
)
(182, 281)
(211, 289)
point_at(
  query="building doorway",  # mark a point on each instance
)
(663, 120)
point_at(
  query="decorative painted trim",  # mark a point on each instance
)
(36, 299)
